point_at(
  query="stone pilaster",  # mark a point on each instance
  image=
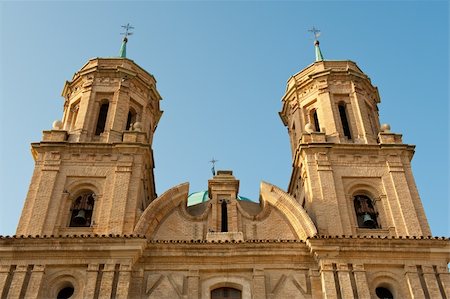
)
(34, 284)
(361, 281)
(344, 281)
(123, 284)
(444, 277)
(327, 208)
(412, 278)
(328, 284)
(259, 287)
(431, 282)
(120, 201)
(43, 198)
(193, 281)
(4, 271)
(107, 282)
(316, 289)
(17, 281)
(91, 280)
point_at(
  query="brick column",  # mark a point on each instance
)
(193, 281)
(361, 281)
(119, 203)
(43, 198)
(259, 286)
(4, 271)
(344, 281)
(444, 277)
(411, 225)
(17, 281)
(316, 290)
(107, 282)
(123, 283)
(431, 282)
(328, 284)
(412, 278)
(34, 284)
(91, 280)
(326, 205)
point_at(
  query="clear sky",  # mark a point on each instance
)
(222, 69)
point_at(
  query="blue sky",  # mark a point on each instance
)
(222, 69)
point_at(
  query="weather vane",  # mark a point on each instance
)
(127, 32)
(315, 31)
(213, 162)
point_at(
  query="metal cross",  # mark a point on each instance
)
(127, 28)
(315, 31)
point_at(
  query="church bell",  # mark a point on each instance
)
(368, 220)
(80, 218)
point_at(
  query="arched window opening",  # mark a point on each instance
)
(365, 212)
(383, 293)
(65, 293)
(73, 115)
(224, 226)
(293, 134)
(226, 293)
(344, 120)
(101, 121)
(315, 120)
(82, 209)
(131, 119)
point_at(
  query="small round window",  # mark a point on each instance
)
(383, 293)
(65, 293)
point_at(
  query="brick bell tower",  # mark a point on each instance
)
(351, 174)
(94, 170)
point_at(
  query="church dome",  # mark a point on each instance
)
(203, 196)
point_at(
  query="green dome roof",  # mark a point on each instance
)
(203, 196)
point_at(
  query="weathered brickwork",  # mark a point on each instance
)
(351, 224)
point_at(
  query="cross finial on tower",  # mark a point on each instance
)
(213, 162)
(316, 32)
(123, 48)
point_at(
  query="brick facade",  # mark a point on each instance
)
(350, 224)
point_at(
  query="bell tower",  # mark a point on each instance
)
(351, 174)
(94, 170)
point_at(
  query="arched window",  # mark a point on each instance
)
(131, 119)
(65, 292)
(365, 212)
(101, 121)
(383, 293)
(73, 115)
(226, 293)
(224, 226)
(315, 120)
(344, 120)
(82, 208)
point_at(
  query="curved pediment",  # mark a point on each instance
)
(162, 206)
(290, 209)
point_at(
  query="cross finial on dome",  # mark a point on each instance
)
(316, 32)
(123, 48)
